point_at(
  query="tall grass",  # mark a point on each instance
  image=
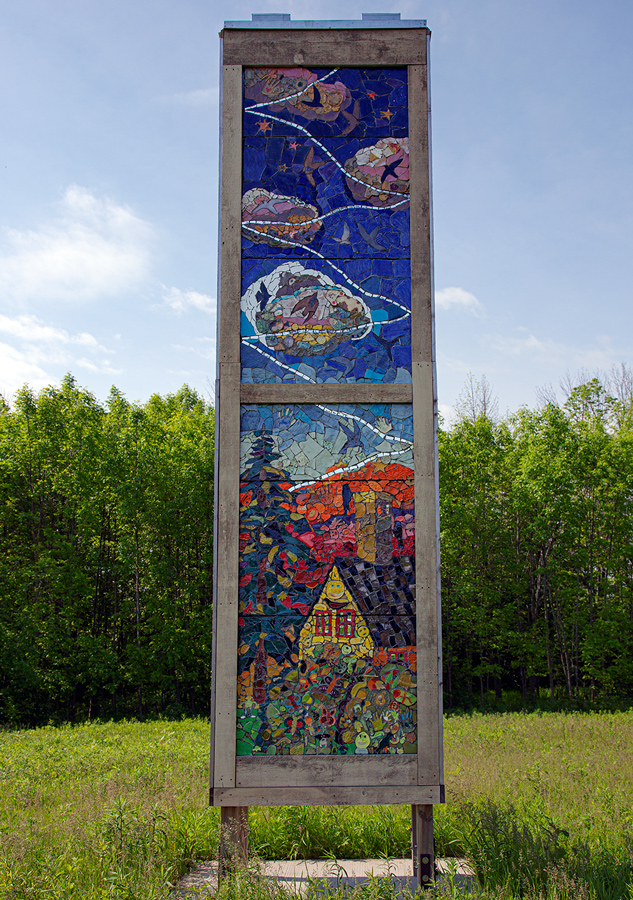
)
(103, 810)
(541, 805)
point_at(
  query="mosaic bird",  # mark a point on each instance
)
(390, 169)
(305, 306)
(345, 238)
(263, 295)
(344, 365)
(353, 436)
(348, 366)
(371, 238)
(316, 98)
(310, 166)
(387, 345)
(353, 118)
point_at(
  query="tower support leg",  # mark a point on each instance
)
(233, 847)
(422, 845)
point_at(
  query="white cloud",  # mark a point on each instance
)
(601, 355)
(180, 301)
(103, 368)
(205, 347)
(448, 414)
(18, 369)
(457, 298)
(33, 330)
(94, 248)
(40, 353)
(453, 363)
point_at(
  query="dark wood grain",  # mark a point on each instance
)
(327, 47)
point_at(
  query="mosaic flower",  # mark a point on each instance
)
(380, 173)
(268, 218)
(301, 311)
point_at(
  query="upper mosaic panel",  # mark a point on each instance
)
(340, 198)
(326, 102)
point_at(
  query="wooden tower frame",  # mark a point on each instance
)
(417, 779)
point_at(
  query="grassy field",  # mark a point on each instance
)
(542, 806)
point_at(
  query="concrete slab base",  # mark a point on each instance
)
(297, 875)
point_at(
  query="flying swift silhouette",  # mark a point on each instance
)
(316, 98)
(388, 345)
(263, 295)
(305, 306)
(353, 436)
(371, 238)
(310, 166)
(390, 169)
(352, 118)
(345, 238)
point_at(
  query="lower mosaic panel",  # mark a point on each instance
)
(346, 684)
(327, 629)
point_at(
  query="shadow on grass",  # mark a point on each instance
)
(523, 855)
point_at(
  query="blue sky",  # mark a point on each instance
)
(108, 166)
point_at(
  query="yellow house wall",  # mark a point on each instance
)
(334, 590)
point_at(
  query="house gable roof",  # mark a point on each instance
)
(380, 590)
(385, 595)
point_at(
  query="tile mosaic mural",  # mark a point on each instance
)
(327, 628)
(325, 226)
(326, 102)
(297, 194)
(341, 322)
(327, 605)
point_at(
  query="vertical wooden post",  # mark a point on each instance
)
(233, 846)
(422, 845)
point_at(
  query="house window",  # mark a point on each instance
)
(323, 624)
(345, 623)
